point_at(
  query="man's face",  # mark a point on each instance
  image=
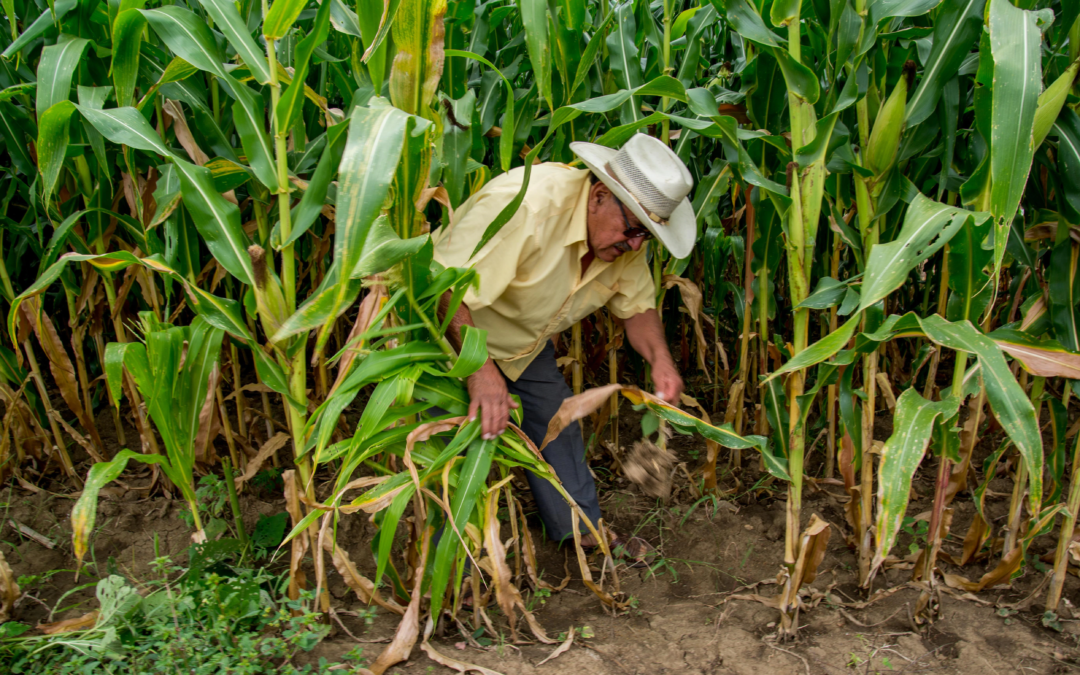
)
(608, 221)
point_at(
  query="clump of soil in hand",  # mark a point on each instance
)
(649, 467)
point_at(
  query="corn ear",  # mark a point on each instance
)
(1052, 100)
(269, 298)
(889, 126)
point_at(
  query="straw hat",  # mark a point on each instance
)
(650, 180)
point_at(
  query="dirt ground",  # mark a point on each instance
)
(687, 616)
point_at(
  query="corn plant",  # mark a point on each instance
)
(174, 368)
(885, 189)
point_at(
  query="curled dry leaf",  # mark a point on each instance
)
(368, 310)
(83, 622)
(9, 589)
(268, 448)
(1001, 574)
(299, 544)
(693, 303)
(575, 408)
(409, 629)
(60, 365)
(183, 133)
(363, 587)
(1042, 361)
(455, 664)
(208, 430)
(561, 649)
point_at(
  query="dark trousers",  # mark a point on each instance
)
(542, 389)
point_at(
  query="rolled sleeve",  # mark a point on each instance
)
(636, 292)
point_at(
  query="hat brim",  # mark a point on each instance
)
(680, 233)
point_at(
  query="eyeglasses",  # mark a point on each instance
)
(632, 232)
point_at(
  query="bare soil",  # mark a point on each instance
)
(692, 614)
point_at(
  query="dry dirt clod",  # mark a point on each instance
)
(649, 466)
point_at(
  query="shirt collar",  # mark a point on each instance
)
(578, 232)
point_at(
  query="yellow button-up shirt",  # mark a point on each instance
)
(531, 283)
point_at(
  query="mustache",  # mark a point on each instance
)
(623, 246)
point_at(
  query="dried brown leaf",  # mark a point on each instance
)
(183, 133)
(60, 365)
(9, 589)
(693, 303)
(368, 309)
(363, 587)
(577, 407)
(409, 628)
(268, 448)
(83, 622)
(206, 418)
(454, 664)
(1009, 563)
(561, 649)
(299, 544)
(1043, 362)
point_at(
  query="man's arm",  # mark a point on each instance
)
(487, 389)
(646, 336)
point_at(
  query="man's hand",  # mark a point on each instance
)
(489, 396)
(667, 381)
(646, 335)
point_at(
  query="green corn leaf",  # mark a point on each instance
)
(227, 19)
(388, 526)
(187, 36)
(927, 227)
(55, 70)
(384, 248)
(956, 29)
(307, 211)
(534, 18)
(748, 23)
(473, 353)
(386, 22)
(217, 219)
(248, 115)
(84, 513)
(418, 61)
(1064, 295)
(333, 296)
(899, 460)
(1067, 129)
(589, 56)
(126, 126)
(471, 480)
(52, 144)
(15, 124)
(878, 11)
(200, 360)
(506, 140)
(776, 410)
(292, 99)
(968, 279)
(1011, 406)
(44, 22)
(281, 17)
(1015, 42)
(376, 137)
(624, 60)
(783, 12)
(127, 39)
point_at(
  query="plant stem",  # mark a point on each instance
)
(234, 502)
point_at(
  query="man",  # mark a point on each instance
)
(574, 245)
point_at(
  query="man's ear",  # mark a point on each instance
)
(598, 193)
